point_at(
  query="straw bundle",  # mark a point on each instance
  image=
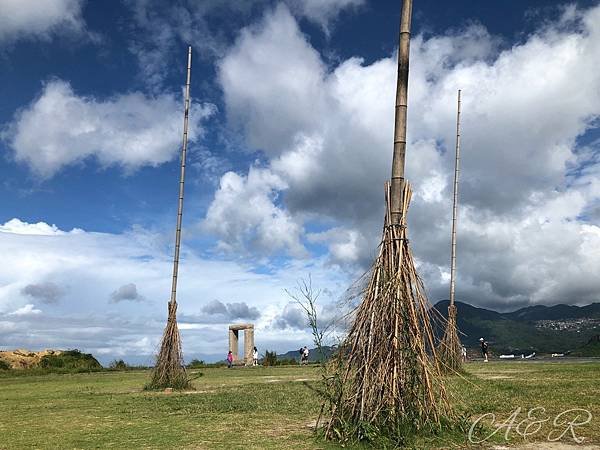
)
(390, 374)
(387, 377)
(169, 370)
(450, 348)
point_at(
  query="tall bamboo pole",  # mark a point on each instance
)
(397, 182)
(181, 179)
(455, 205)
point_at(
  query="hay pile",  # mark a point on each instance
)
(390, 379)
(169, 371)
(450, 348)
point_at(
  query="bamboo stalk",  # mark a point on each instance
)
(389, 376)
(450, 349)
(181, 178)
(169, 370)
(399, 156)
(455, 205)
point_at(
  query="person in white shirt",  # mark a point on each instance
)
(305, 354)
(255, 357)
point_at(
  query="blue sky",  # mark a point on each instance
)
(291, 143)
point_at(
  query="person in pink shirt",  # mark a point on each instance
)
(229, 359)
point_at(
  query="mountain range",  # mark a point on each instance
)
(543, 329)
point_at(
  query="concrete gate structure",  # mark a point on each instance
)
(234, 339)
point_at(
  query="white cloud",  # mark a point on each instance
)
(127, 292)
(17, 226)
(129, 130)
(293, 317)
(323, 12)
(163, 29)
(227, 312)
(27, 310)
(92, 264)
(244, 214)
(344, 245)
(524, 181)
(24, 19)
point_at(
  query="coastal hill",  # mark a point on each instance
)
(543, 329)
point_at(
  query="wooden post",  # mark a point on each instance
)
(400, 114)
(181, 179)
(454, 206)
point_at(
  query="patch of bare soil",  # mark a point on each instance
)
(25, 359)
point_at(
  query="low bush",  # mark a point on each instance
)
(270, 359)
(196, 364)
(118, 365)
(70, 360)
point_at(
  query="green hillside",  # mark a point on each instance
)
(590, 349)
(542, 329)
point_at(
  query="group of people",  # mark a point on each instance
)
(254, 358)
(304, 353)
(484, 350)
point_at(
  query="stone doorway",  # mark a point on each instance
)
(234, 339)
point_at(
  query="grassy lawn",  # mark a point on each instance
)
(263, 407)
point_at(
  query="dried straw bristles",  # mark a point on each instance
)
(169, 371)
(450, 348)
(389, 377)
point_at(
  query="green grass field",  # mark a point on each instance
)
(267, 407)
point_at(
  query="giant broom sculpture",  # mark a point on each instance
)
(450, 349)
(169, 371)
(389, 378)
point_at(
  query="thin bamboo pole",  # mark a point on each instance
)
(455, 206)
(169, 371)
(397, 181)
(181, 179)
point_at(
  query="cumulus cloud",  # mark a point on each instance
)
(127, 292)
(39, 19)
(128, 130)
(46, 292)
(292, 316)
(17, 226)
(325, 133)
(231, 311)
(26, 310)
(258, 222)
(345, 246)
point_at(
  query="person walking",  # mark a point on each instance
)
(255, 357)
(484, 349)
(305, 353)
(229, 359)
(463, 352)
